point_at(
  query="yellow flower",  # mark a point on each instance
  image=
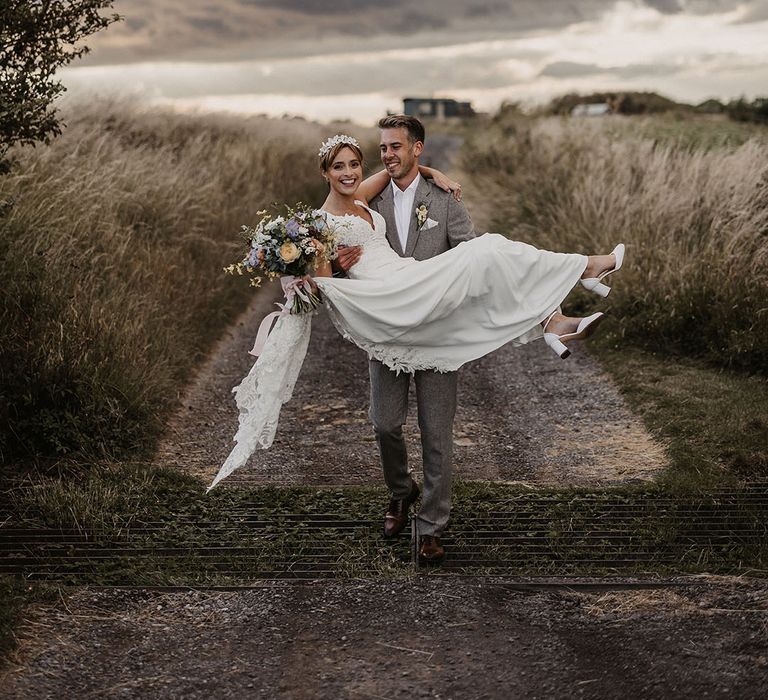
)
(289, 251)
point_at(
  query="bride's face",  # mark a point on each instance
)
(345, 172)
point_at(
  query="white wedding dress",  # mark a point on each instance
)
(411, 315)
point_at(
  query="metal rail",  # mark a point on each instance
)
(528, 532)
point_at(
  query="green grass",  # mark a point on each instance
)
(713, 421)
(690, 132)
(559, 527)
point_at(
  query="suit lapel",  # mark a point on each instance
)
(423, 193)
(387, 210)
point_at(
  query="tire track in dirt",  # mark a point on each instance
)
(524, 415)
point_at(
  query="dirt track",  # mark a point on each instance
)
(422, 638)
(524, 415)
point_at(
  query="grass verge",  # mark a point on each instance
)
(714, 422)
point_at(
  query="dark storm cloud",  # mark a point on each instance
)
(322, 7)
(241, 28)
(567, 69)
(666, 6)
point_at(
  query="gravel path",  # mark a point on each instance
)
(524, 415)
(412, 638)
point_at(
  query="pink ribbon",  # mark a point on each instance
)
(292, 287)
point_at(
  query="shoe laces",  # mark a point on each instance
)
(396, 507)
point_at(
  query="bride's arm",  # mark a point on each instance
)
(322, 270)
(376, 183)
(372, 185)
(442, 181)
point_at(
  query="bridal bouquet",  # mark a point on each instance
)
(288, 246)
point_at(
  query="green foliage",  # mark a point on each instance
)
(713, 422)
(620, 102)
(743, 111)
(36, 39)
(112, 244)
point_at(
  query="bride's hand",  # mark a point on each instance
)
(311, 282)
(445, 183)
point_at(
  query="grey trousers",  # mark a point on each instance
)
(436, 402)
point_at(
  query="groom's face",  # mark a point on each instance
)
(399, 154)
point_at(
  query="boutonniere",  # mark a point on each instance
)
(422, 213)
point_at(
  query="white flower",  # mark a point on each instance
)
(422, 213)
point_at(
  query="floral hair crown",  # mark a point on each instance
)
(326, 146)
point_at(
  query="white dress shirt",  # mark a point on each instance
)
(403, 200)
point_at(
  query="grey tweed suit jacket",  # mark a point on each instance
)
(453, 222)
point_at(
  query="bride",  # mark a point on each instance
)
(435, 314)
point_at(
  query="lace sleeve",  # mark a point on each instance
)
(265, 389)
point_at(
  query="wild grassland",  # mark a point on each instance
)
(694, 217)
(112, 242)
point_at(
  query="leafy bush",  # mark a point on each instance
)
(744, 111)
(37, 38)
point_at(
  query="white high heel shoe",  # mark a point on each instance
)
(586, 327)
(594, 284)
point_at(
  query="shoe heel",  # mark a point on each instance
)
(595, 285)
(559, 348)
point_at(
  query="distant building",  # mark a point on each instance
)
(596, 109)
(437, 108)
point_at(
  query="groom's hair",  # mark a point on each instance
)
(412, 125)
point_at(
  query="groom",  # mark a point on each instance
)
(422, 221)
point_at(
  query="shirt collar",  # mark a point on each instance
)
(411, 188)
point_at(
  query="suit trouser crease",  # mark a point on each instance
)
(436, 401)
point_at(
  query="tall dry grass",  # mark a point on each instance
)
(112, 242)
(695, 220)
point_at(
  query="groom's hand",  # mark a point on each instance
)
(348, 256)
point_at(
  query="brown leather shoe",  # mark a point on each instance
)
(396, 517)
(431, 552)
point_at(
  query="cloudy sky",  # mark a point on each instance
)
(355, 59)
